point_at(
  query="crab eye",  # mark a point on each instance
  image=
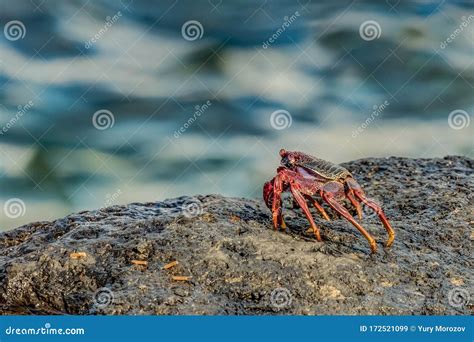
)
(286, 161)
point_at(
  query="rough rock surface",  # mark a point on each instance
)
(239, 265)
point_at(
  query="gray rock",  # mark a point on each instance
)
(240, 265)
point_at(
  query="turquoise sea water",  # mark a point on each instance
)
(110, 102)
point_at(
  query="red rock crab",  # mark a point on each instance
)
(306, 176)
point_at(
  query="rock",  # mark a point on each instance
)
(231, 261)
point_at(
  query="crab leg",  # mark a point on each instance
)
(302, 203)
(370, 203)
(375, 207)
(329, 191)
(350, 196)
(318, 207)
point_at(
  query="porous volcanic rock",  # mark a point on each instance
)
(239, 265)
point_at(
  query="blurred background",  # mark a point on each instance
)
(110, 102)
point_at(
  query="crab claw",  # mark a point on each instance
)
(268, 193)
(269, 198)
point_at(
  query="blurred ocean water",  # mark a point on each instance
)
(110, 102)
